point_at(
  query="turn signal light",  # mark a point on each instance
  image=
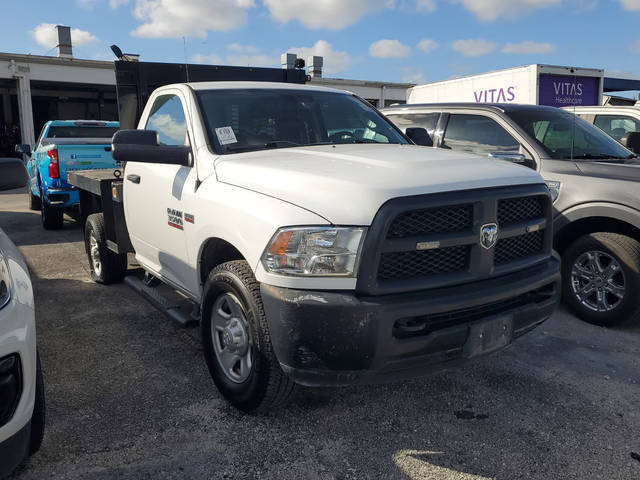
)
(54, 166)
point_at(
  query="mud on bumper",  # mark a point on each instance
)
(336, 338)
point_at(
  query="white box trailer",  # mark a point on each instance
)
(532, 84)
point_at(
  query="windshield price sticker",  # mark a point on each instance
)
(225, 135)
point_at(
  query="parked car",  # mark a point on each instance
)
(619, 122)
(22, 404)
(595, 182)
(64, 146)
(318, 246)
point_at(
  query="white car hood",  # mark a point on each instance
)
(347, 184)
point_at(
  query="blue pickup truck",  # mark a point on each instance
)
(63, 146)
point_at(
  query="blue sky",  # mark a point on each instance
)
(364, 39)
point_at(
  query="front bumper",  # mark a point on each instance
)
(333, 338)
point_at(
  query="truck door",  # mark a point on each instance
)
(154, 197)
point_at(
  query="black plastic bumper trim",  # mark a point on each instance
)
(337, 338)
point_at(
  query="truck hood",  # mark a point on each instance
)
(629, 170)
(347, 184)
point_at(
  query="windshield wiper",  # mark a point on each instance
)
(591, 156)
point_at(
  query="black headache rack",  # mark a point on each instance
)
(135, 81)
(101, 190)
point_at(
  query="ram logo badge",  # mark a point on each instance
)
(488, 235)
(174, 218)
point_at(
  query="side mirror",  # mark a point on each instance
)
(419, 136)
(13, 174)
(509, 157)
(23, 148)
(142, 146)
(632, 141)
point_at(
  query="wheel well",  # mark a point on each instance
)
(574, 230)
(215, 252)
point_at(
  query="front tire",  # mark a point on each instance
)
(601, 278)
(236, 340)
(106, 266)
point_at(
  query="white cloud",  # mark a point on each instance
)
(490, 10)
(210, 58)
(335, 61)
(331, 14)
(191, 18)
(117, 3)
(86, 4)
(474, 47)
(426, 5)
(239, 55)
(414, 77)
(427, 45)
(389, 49)
(630, 4)
(45, 34)
(528, 47)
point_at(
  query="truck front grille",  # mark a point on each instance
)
(519, 247)
(456, 218)
(423, 262)
(434, 241)
(514, 210)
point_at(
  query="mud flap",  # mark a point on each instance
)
(489, 336)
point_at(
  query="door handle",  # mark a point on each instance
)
(133, 178)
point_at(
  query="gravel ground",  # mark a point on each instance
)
(129, 396)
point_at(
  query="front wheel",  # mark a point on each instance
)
(236, 340)
(601, 278)
(106, 266)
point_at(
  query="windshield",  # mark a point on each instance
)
(81, 132)
(565, 136)
(252, 119)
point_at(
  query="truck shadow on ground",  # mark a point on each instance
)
(129, 396)
(25, 228)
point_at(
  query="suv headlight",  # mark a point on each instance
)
(5, 282)
(315, 251)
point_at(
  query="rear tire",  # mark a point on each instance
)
(261, 384)
(38, 417)
(52, 217)
(34, 202)
(601, 278)
(106, 266)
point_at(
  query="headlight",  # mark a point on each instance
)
(5, 282)
(315, 251)
(554, 189)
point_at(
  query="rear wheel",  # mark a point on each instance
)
(237, 343)
(34, 202)
(601, 278)
(52, 217)
(106, 266)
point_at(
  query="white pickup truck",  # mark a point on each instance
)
(320, 245)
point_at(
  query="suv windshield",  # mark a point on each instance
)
(240, 120)
(565, 136)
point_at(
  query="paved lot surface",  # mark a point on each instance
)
(129, 396)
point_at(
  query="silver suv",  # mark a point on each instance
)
(594, 179)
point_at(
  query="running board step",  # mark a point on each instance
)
(154, 297)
